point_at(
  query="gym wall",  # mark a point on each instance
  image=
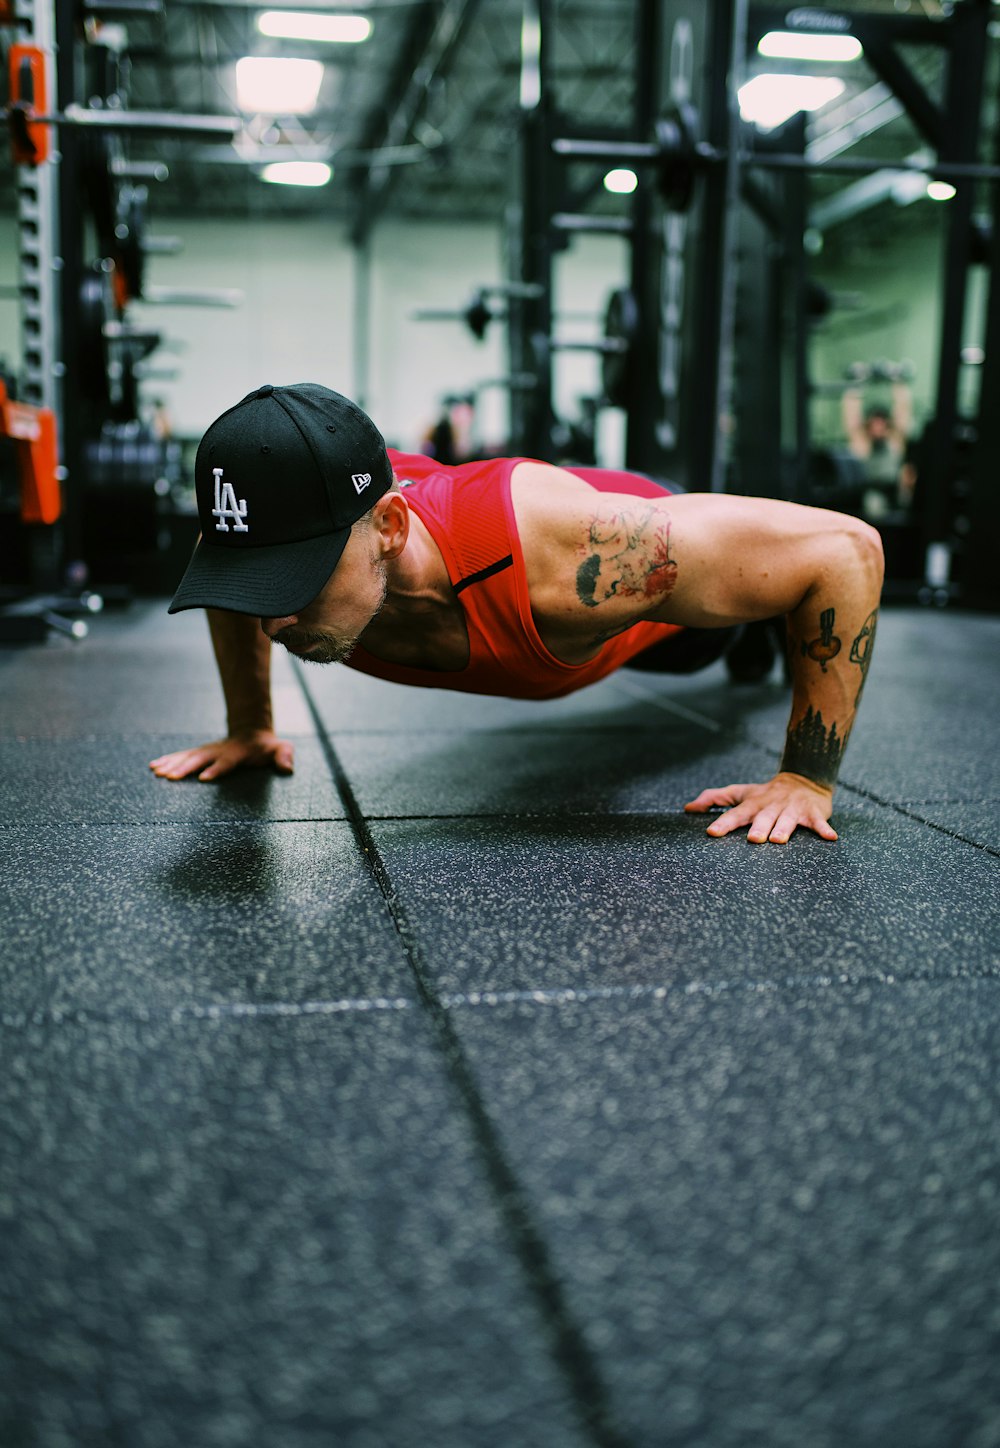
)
(897, 273)
(297, 319)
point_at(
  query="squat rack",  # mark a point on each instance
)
(687, 139)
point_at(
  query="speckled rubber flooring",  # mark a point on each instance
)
(460, 1092)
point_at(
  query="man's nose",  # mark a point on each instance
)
(272, 626)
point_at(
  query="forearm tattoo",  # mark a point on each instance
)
(827, 646)
(862, 648)
(824, 650)
(813, 750)
(627, 556)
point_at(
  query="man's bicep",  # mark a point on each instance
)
(739, 559)
(600, 562)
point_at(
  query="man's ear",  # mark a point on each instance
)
(392, 519)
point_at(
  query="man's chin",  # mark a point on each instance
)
(326, 658)
(321, 653)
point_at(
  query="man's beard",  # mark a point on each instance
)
(325, 646)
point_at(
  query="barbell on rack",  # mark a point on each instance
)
(169, 122)
(679, 157)
(477, 313)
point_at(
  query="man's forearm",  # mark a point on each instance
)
(831, 636)
(243, 655)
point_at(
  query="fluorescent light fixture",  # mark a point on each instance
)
(769, 100)
(621, 181)
(297, 173)
(268, 86)
(940, 190)
(311, 25)
(798, 45)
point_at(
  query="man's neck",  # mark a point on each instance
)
(422, 621)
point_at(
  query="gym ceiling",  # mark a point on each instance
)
(418, 121)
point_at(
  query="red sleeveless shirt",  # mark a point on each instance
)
(468, 512)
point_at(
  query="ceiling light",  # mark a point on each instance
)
(309, 25)
(622, 182)
(940, 190)
(769, 100)
(269, 86)
(297, 173)
(798, 45)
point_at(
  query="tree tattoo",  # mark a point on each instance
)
(813, 750)
(861, 650)
(626, 557)
(827, 646)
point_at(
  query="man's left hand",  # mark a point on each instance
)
(774, 811)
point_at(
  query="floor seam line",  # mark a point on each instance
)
(572, 1356)
(475, 1000)
(919, 819)
(571, 995)
(746, 736)
(670, 706)
(222, 1010)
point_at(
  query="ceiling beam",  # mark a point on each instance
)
(435, 33)
(367, 7)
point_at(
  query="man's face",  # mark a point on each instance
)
(878, 426)
(326, 630)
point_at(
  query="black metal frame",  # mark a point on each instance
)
(528, 244)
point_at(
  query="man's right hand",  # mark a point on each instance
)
(256, 749)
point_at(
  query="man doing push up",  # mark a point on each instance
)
(511, 577)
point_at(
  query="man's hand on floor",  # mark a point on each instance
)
(257, 749)
(774, 811)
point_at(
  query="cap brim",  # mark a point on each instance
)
(268, 582)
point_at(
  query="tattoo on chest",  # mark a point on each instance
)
(627, 556)
(813, 750)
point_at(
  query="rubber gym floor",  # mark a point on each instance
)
(460, 1091)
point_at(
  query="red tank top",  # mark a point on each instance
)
(468, 512)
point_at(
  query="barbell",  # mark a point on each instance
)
(680, 157)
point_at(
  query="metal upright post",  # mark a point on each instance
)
(795, 382)
(683, 259)
(71, 249)
(642, 366)
(41, 260)
(529, 244)
(960, 141)
(980, 576)
(726, 63)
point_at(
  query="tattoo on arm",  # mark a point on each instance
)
(813, 750)
(861, 650)
(827, 646)
(627, 556)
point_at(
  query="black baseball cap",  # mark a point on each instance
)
(280, 478)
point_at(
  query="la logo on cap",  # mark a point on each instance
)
(226, 506)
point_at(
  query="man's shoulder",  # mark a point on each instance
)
(543, 486)
(418, 468)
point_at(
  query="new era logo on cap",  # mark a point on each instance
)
(360, 481)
